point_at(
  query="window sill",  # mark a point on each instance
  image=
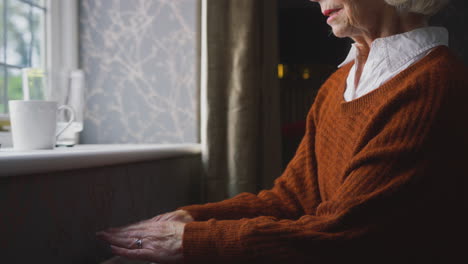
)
(5, 139)
(86, 156)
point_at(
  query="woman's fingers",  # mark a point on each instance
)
(129, 228)
(177, 216)
(161, 241)
(123, 231)
(140, 231)
(159, 228)
(120, 241)
(134, 226)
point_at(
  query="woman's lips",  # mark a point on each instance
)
(331, 13)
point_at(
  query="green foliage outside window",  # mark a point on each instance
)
(22, 42)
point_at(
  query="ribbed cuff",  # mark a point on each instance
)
(213, 241)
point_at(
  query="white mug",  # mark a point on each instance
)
(34, 123)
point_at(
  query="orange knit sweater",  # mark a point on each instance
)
(381, 179)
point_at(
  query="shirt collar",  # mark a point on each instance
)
(397, 50)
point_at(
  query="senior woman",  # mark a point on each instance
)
(377, 177)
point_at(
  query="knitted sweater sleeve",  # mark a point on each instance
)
(389, 201)
(292, 195)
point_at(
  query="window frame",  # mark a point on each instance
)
(62, 36)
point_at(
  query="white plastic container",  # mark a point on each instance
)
(75, 98)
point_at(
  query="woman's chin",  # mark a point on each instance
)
(340, 32)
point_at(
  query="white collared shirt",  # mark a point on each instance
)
(389, 56)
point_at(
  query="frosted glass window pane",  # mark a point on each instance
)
(37, 46)
(38, 2)
(3, 99)
(2, 31)
(25, 34)
(18, 33)
(14, 84)
(22, 38)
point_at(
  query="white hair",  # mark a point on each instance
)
(425, 7)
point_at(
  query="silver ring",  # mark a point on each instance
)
(139, 243)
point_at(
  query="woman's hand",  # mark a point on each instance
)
(158, 239)
(178, 216)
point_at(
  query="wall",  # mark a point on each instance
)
(454, 18)
(52, 218)
(139, 57)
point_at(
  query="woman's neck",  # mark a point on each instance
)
(392, 24)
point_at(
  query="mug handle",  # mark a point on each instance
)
(72, 118)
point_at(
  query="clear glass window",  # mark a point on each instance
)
(22, 42)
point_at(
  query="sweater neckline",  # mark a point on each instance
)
(358, 104)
